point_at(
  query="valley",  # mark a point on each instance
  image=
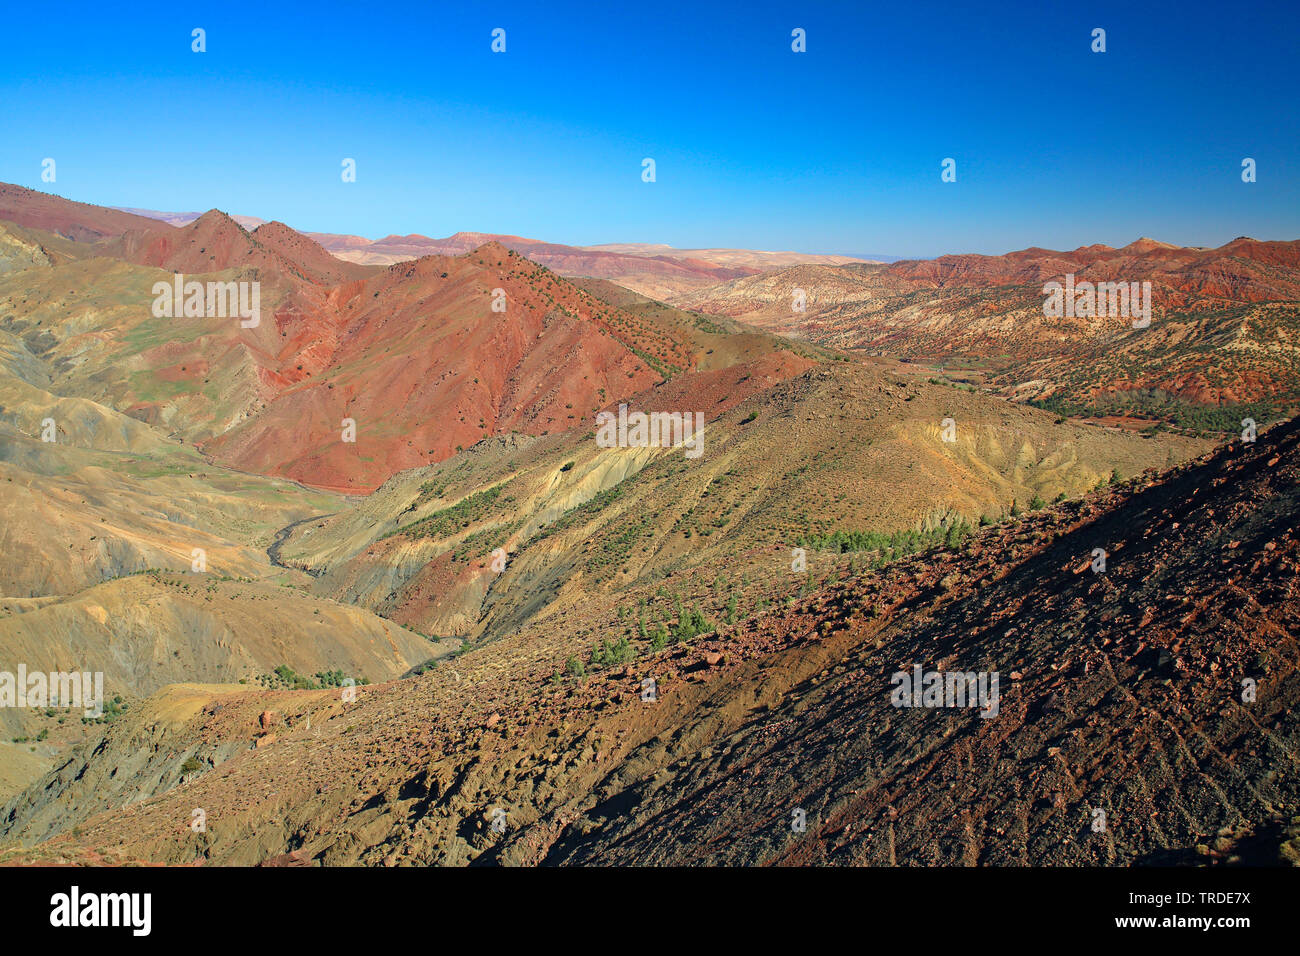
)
(366, 577)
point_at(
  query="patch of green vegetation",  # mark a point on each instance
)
(486, 540)
(451, 519)
(112, 710)
(618, 544)
(663, 369)
(691, 623)
(611, 653)
(1165, 407)
(149, 387)
(155, 332)
(949, 533)
(430, 490)
(285, 677)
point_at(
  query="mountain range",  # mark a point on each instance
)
(1221, 334)
(654, 270)
(575, 653)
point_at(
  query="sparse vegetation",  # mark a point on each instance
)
(950, 533)
(284, 677)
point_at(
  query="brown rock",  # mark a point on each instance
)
(296, 858)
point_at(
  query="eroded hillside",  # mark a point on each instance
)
(788, 461)
(579, 651)
(1221, 341)
(502, 756)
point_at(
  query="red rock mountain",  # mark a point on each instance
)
(1223, 330)
(1238, 270)
(78, 221)
(424, 366)
(426, 357)
(215, 242)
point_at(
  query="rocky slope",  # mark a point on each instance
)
(1120, 691)
(423, 364)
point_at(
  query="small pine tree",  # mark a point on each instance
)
(660, 638)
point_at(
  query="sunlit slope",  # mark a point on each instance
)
(1120, 691)
(148, 630)
(88, 324)
(838, 447)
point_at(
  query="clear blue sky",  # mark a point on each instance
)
(834, 150)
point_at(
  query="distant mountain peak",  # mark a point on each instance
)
(215, 218)
(1147, 244)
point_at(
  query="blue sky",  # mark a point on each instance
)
(834, 150)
